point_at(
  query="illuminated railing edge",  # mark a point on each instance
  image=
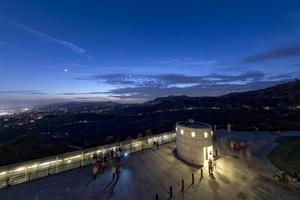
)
(33, 167)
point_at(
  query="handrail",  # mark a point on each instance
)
(35, 169)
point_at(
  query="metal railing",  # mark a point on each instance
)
(31, 170)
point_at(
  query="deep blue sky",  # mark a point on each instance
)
(54, 51)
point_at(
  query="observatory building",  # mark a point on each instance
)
(194, 142)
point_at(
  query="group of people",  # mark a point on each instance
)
(155, 144)
(102, 160)
(212, 164)
(236, 144)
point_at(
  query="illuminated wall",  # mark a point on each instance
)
(194, 142)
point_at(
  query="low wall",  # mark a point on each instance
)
(26, 171)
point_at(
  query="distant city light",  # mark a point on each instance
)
(4, 113)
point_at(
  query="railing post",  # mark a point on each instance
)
(193, 179)
(182, 185)
(156, 196)
(130, 146)
(201, 172)
(148, 146)
(26, 172)
(57, 164)
(82, 158)
(7, 181)
(171, 192)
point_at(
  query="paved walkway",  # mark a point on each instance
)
(153, 171)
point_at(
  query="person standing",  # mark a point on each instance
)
(112, 152)
(210, 167)
(7, 181)
(117, 168)
(215, 165)
(154, 144)
(103, 163)
(94, 157)
(118, 156)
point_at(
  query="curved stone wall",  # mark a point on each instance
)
(194, 142)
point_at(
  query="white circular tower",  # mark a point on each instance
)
(194, 142)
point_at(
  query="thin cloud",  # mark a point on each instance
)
(169, 80)
(43, 36)
(2, 43)
(187, 62)
(275, 53)
(148, 93)
(81, 93)
(31, 92)
(147, 87)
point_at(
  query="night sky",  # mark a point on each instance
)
(133, 51)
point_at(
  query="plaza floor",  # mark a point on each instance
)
(237, 176)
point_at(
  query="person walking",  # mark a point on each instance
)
(113, 171)
(95, 171)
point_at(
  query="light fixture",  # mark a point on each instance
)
(19, 169)
(193, 134)
(2, 173)
(205, 134)
(181, 131)
(32, 166)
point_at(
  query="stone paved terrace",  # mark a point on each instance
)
(237, 176)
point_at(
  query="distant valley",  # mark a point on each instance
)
(89, 124)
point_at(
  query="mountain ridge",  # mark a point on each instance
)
(285, 94)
